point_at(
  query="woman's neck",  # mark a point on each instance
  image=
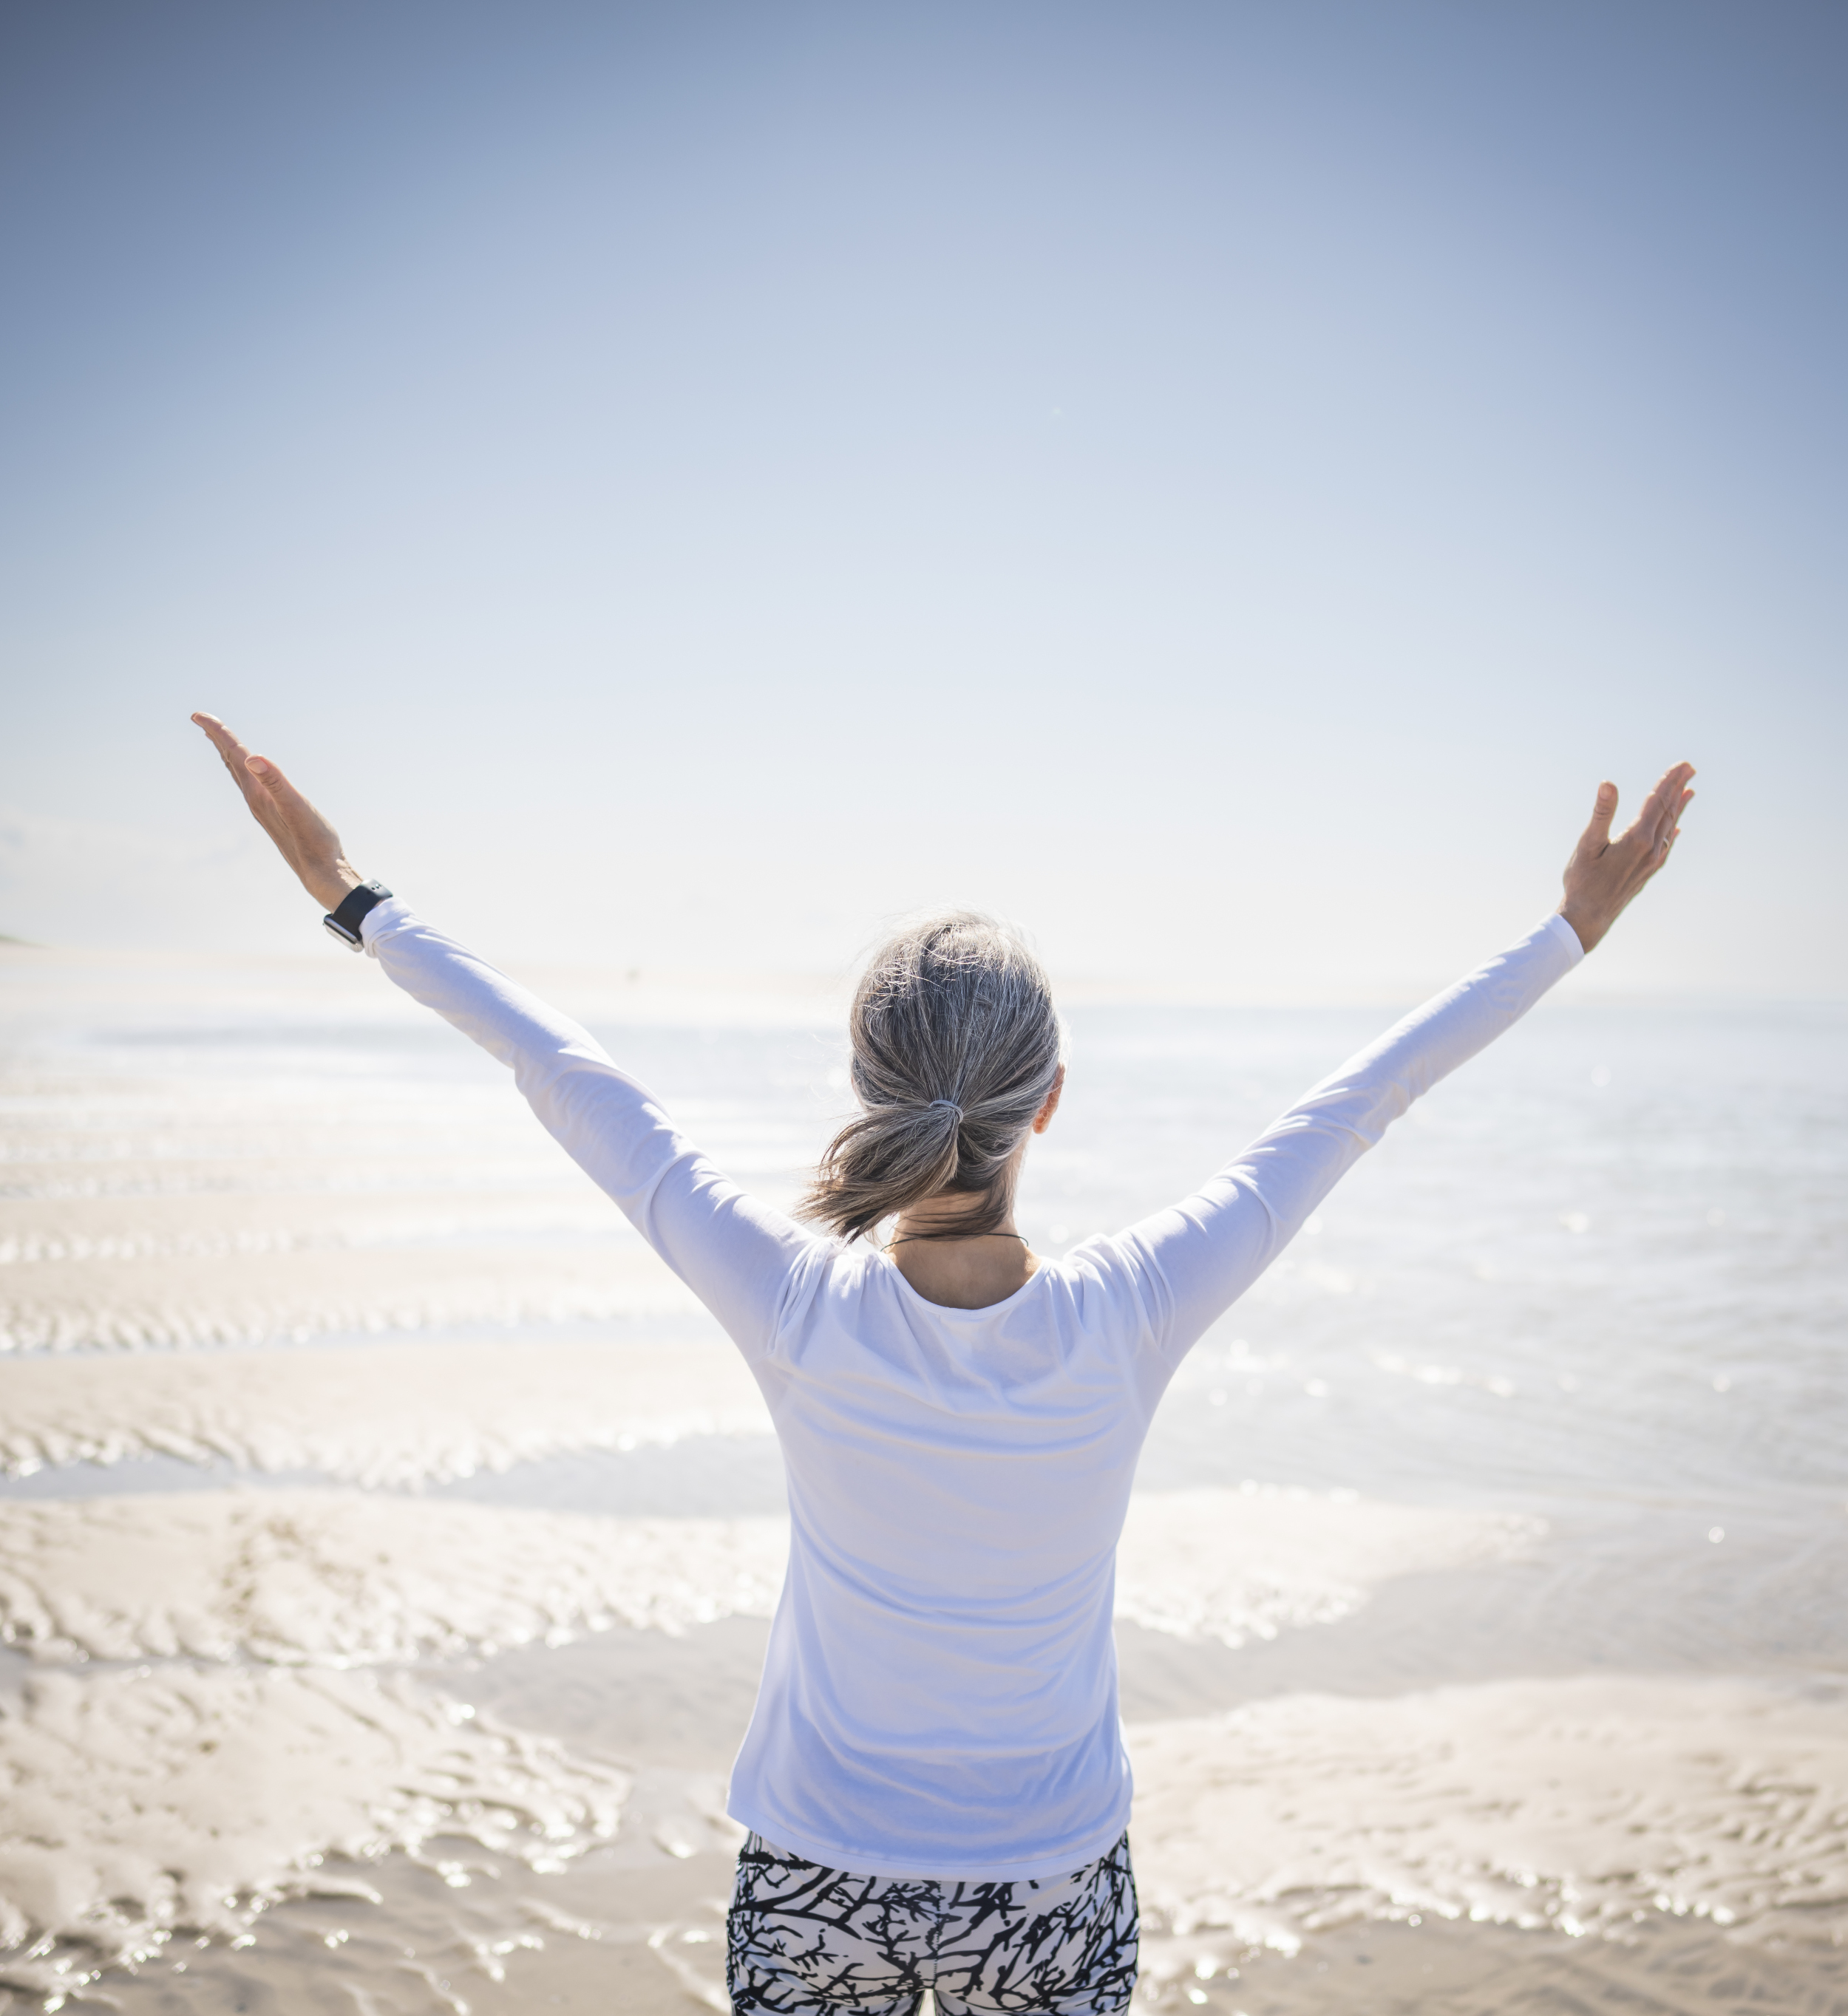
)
(959, 1272)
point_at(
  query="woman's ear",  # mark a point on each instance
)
(1043, 1119)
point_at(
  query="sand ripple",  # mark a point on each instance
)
(1577, 1804)
(392, 1413)
(143, 1802)
(338, 1576)
(247, 1298)
(211, 1225)
(346, 1577)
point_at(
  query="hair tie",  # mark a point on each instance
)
(951, 1104)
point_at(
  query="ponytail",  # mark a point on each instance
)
(955, 1046)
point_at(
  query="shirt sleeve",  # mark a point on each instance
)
(740, 1257)
(1192, 1261)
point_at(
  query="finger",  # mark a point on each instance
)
(294, 808)
(1661, 807)
(235, 756)
(1674, 826)
(218, 734)
(232, 750)
(289, 811)
(1649, 812)
(1674, 802)
(274, 782)
(1655, 858)
(257, 795)
(1604, 809)
(1641, 837)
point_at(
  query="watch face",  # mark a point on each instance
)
(335, 930)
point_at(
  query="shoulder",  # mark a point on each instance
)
(827, 1274)
(1104, 1283)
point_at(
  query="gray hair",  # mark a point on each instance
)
(956, 1047)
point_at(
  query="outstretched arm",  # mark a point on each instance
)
(1196, 1259)
(740, 1257)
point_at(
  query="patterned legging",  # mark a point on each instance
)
(806, 1941)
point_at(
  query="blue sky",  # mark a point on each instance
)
(1218, 483)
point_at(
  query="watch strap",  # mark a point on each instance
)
(344, 919)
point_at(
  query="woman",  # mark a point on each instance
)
(934, 1779)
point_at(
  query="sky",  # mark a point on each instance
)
(680, 484)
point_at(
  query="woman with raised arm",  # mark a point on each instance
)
(934, 1779)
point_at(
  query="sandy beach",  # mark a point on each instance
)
(386, 1540)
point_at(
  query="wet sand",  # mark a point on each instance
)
(636, 1925)
(1541, 1843)
(386, 1547)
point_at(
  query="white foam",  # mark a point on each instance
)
(392, 1413)
(142, 1802)
(345, 1578)
(1570, 1804)
(350, 1578)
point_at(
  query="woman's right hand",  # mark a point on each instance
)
(303, 837)
(1604, 874)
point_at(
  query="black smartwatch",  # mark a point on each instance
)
(343, 923)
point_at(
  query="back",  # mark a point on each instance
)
(939, 1695)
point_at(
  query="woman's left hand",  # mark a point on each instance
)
(303, 837)
(1604, 874)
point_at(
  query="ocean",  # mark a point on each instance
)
(387, 1541)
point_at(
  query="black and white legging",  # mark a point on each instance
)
(806, 1941)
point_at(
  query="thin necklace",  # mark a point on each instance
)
(911, 1237)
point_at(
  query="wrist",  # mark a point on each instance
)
(346, 920)
(330, 884)
(1584, 929)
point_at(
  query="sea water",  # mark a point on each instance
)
(387, 1539)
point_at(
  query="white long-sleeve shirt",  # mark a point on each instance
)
(938, 1698)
